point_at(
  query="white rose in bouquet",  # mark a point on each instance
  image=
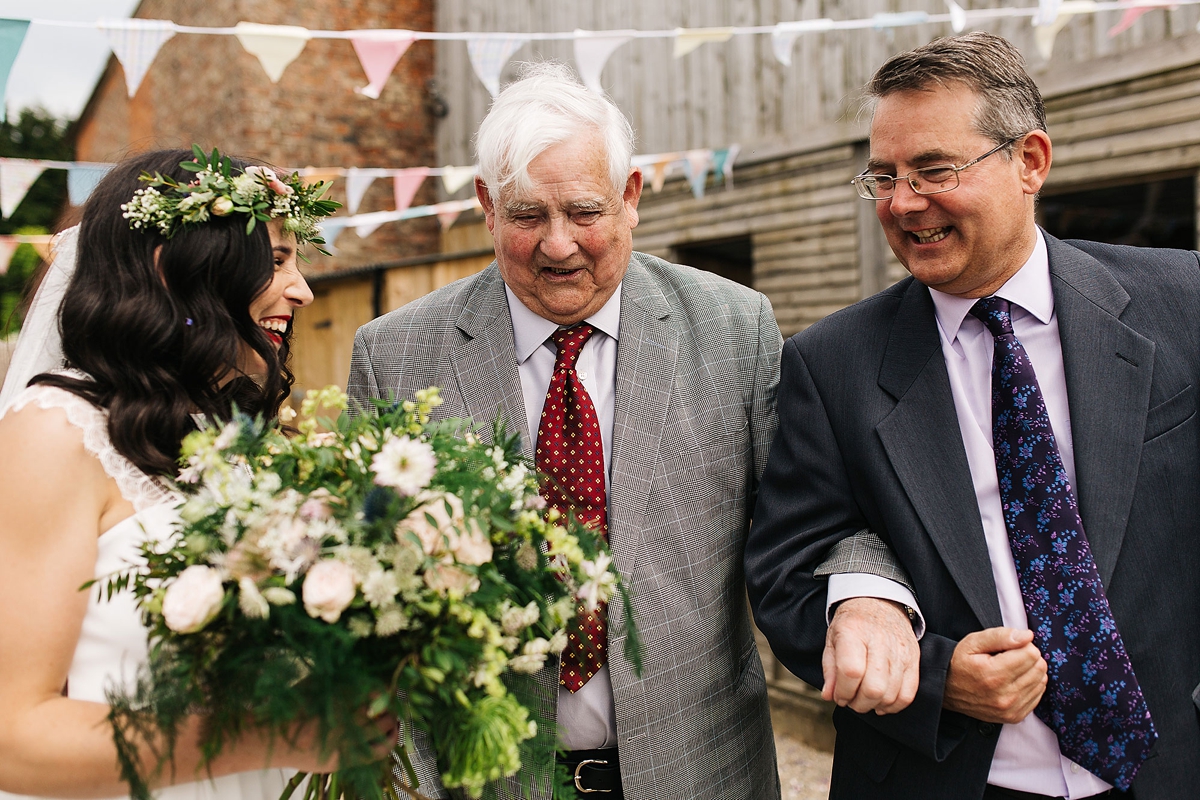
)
(193, 599)
(328, 589)
(446, 578)
(472, 548)
(433, 536)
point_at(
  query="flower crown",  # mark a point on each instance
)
(219, 191)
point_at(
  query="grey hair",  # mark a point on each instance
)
(546, 106)
(1010, 104)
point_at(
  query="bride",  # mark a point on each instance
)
(170, 314)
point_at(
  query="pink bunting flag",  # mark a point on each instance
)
(7, 248)
(448, 217)
(1131, 16)
(135, 43)
(592, 53)
(405, 184)
(378, 52)
(488, 57)
(16, 176)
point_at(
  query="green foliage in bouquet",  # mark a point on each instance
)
(394, 565)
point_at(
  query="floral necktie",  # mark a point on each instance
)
(1093, 702)
(570, 456)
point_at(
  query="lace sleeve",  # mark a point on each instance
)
(140, 489)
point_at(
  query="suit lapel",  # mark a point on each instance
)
(646, 355)
(1108, 367)
(924, 444)
(485, 363)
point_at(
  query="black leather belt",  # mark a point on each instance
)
(596, 772)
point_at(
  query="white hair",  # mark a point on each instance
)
(547, 106)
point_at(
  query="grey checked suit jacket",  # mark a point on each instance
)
(868, 438)
(697, 369)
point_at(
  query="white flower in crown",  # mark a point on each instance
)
(405, 464)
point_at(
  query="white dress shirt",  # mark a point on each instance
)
(587, 719)
(1027, 757)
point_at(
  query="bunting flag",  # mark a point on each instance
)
(1047, 13)
(331, 228)
(135, 43)
(488, 57)
(658, 174)
(688, 39)
(1044, 35)
(958, 17)
(378, 52)
(448, 217)
(275, 46)
(405, 184)
(1131, 16)
(723, 164)
(783, 37)
(12, 34)
(454, 178)
(591, 54)
(695, 166)
(7, 248)
(357, 183)
(16, 176)
(82, 180)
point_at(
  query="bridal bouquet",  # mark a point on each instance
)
(392, 566)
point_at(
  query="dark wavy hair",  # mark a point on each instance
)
(160, 340)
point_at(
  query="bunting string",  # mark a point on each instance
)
(136, 42)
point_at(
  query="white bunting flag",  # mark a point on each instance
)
(1044, 35)
(1047, 13)
(488, 57)
(688, 39)
(454, 178)
(405, 184)
(16, 176)
(591, 54)
(135, 43)
(958, 17)
(357, 183)
(378, 52)
(275, 46)
(783, 37)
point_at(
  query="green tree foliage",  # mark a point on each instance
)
(35, 133)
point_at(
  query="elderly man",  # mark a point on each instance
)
(671, 373)
(1017, 421)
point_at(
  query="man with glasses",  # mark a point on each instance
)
(1015, 427)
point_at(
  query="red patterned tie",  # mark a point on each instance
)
(570, 456)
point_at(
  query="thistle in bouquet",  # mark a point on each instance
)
(391, 565)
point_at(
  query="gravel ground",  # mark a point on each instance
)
(803, 770)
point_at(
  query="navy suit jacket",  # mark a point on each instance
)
(868, 438)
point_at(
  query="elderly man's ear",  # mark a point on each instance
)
(633, 193)
(485, 200)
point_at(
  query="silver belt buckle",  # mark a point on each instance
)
(580, 766)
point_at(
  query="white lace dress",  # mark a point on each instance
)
(113, 642)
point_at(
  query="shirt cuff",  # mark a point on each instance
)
(845, 585)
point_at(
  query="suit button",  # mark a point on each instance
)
(986, 729)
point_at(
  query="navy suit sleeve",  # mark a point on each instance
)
(806, 504)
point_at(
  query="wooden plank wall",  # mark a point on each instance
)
(736, 91)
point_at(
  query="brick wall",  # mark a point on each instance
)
(209, 90)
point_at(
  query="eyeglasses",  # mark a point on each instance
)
(926, 180)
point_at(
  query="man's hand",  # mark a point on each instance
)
(996, 675)
(871, 660)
